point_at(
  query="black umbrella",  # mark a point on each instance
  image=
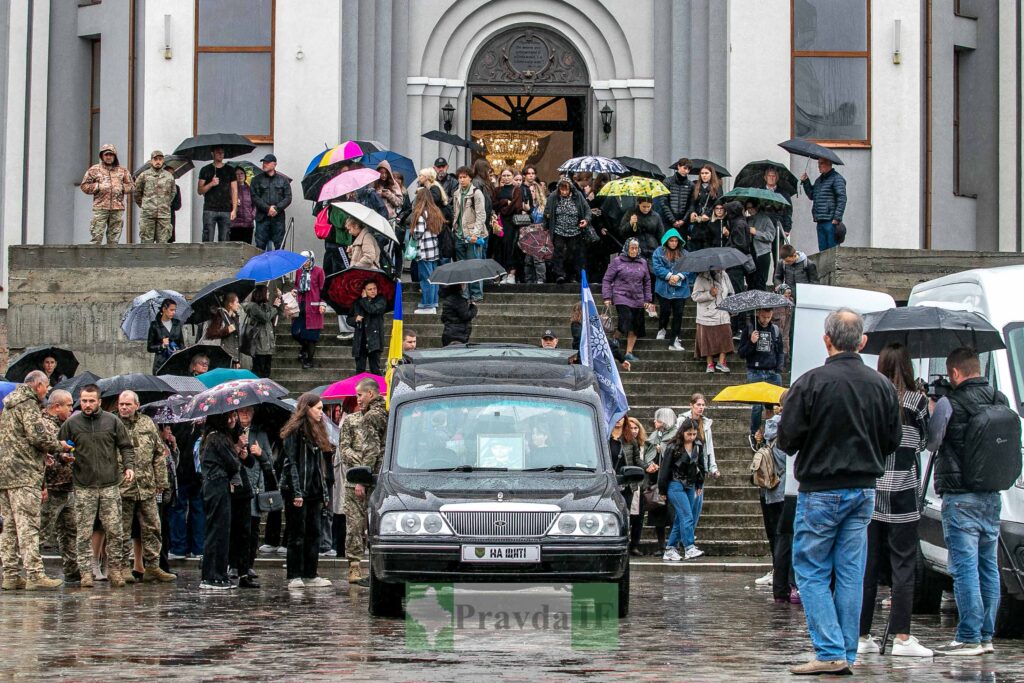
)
(463, 272)
(806, 148)
(642, 167)
(200, 147)
(148, 387)
(703, 260)
(32, 359)
(230, 396)
(929, 331)
(180, 361)
(454, 140)
(211, 296)
(698, 163)
(753, 300)
(752, 175)
(73, 385)
(177, 165)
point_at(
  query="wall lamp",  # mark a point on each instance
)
(897, 56)
(447, 115)
(167, 36)
(606, 118)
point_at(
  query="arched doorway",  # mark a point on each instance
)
(529, 100)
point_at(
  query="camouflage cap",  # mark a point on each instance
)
(156, 153)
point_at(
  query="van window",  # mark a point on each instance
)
(937, 368)
(505, 433)
(1014, 337)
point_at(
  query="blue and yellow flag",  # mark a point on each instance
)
(395, 347)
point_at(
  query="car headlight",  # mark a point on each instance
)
(586, 524)
(413, 524)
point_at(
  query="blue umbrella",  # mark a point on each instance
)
(398, 163)
(271, 265)
(6, 388)
(144, 309)
(219, 376)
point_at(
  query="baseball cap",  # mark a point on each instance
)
(440, 161)
(155, 153)
(549, 334)
(268, 157)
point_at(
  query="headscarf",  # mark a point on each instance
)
(305, 275)
(625, 246)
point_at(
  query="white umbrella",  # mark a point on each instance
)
(368, 217)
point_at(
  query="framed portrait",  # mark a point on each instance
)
(501, 450)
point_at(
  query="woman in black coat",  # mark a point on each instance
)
(457, 312)
(165, 335)
(220, 460)
(645, 225)
(368, 328)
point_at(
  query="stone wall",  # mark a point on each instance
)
(896, 271)
(74, 296)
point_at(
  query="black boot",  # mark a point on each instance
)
(248, 582)
(310, 353)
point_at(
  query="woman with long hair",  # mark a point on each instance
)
(305, 487)
(224, 326)
(538, 190)
(220, 458)
(429, 221)
(261, 313)
(705, 191)
(165, 336)
(893, 527)
(681, 480)
(508, 204)
(627, 448)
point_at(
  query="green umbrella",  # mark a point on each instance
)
(634, 186)
(762, 196)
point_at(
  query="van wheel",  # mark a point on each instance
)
(1010, 617)
(385, 598)
(624, 593)
(928, 586)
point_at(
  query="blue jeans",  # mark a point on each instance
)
(757, 409)
(269, 231)
(826, 235)
(970, 526)
(463, 252)
(830, 536)
(187, 522)
(428, 292)
(681, 498)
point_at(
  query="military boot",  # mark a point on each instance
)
(129, 577)
(116, 578)
(157, 574)
(15, 583)
(354, 573)
(43, 583)
(86, 581)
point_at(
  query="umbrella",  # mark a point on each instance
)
(700, 163)
(222, 375)
(211, 296)
(144, 309)
(634, 186)
(148, 387)
(32, 359)
(177, 165)
(536, 241)
(453, 139)
(753, 300)
(929, 331)
(703, 260)
(168, 410)
(752, 175)
(757, 392)
(271, 265)
(349, 181)
(346, 151)
(73, 385)
(183, 384)
(806, 148)
(642, 167)
(368, 217)
(399, 164)
(593, 164)
(341, 289)
(180, 361)
(761, 195)
(269, 417)
(347, 387)
(199, 148)
(462, 272)
(230, 396)
(6, 388)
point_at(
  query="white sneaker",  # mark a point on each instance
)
(172, 556)
(425, 311)
(671, 555)
(281, 550)
(662, 334)
(907, 648)
(329, 553)
(988, 647)
(510, 279)
(296, 584)
(344, 336)
(267, 548)
(867, 646)
(676, 346)
(958, 649)
(693, 552)
(318, 582)
(765, 580)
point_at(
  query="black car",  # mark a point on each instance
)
(496, 469)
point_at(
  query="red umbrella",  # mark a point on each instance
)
(344, 287)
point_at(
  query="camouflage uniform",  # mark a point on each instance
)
(108, 185)
(361, 442)
(25, 438)
(139, 497)
(58, 512)
(154, 190)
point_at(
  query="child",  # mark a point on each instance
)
(368, 340)
(795, 267)
(457, 313)
(681, 479)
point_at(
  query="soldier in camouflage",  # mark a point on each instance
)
(58, 512)
(25, 440)
(139, 496)
(154, 191)
(108, 182)
(361, 443)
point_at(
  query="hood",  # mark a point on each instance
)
(733, 209)
(20, 395)
(385, 164)
(109, 148)
(801, 257)
(671, 232)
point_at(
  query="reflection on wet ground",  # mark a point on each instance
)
(681, 627)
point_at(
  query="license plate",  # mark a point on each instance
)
(501, 553)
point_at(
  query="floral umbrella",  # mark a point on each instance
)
(230, 396)
(634, 186)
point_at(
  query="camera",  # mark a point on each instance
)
(938, 388)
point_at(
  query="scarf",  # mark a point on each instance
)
(304, 280)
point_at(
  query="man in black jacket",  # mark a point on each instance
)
(761, 347)
(842, 420)
(271, 193)
(675, 208)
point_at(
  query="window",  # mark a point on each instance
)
(234, 68)
(94, 101)
(830, 69)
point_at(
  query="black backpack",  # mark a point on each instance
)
(991, 456)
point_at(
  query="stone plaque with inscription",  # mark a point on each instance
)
(528, 54)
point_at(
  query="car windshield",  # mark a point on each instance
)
(496, 433)
(1014, 334)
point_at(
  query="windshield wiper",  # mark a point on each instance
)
(468, 468)
(561, 468)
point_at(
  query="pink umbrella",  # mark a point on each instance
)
(347, 387)
(349, 181)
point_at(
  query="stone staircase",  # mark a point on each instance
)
(730, 523)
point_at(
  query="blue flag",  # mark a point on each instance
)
(596, 354)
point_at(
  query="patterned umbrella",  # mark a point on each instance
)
(230, 396)
(168, 410)
(592, 164)
(753, 300)
(144, 308)
(341, 289)
(535, 240)
(634, 186)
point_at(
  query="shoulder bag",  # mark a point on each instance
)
(269, 501)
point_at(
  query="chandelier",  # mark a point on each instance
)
(509, 149)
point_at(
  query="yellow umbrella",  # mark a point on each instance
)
(758, 392)
(634, 186)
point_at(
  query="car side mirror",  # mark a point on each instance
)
(631, 474)
(362, 475)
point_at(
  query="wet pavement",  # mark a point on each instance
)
(682, 626)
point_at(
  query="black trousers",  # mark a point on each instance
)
(338, 530)
(165, 535)
(899, 542)
(254, 539)
(374, 358)
(303, 537)
(671, 309)
(241, 514)
(636, 522)
(568, 258)
(216, 546)
(261, 364)
(764, 265)
(770, 514)
(272, 532)
(782, 557)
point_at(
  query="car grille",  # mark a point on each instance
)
(500, 523)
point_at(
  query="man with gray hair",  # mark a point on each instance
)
(58, 511)
(841, 420)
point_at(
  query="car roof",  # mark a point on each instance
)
(494, 371)
(1001, 286)
(463, 352)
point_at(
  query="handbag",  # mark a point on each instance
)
(521, 220)
(269, 501)
(590, 235)
(246, 337)
(322, 225)
(291, 305)
(606, 320)
(412, 248)
(652, 499)
(749, 267)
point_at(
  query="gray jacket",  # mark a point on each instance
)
(262, 317)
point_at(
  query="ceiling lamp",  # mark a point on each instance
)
(509, 149)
